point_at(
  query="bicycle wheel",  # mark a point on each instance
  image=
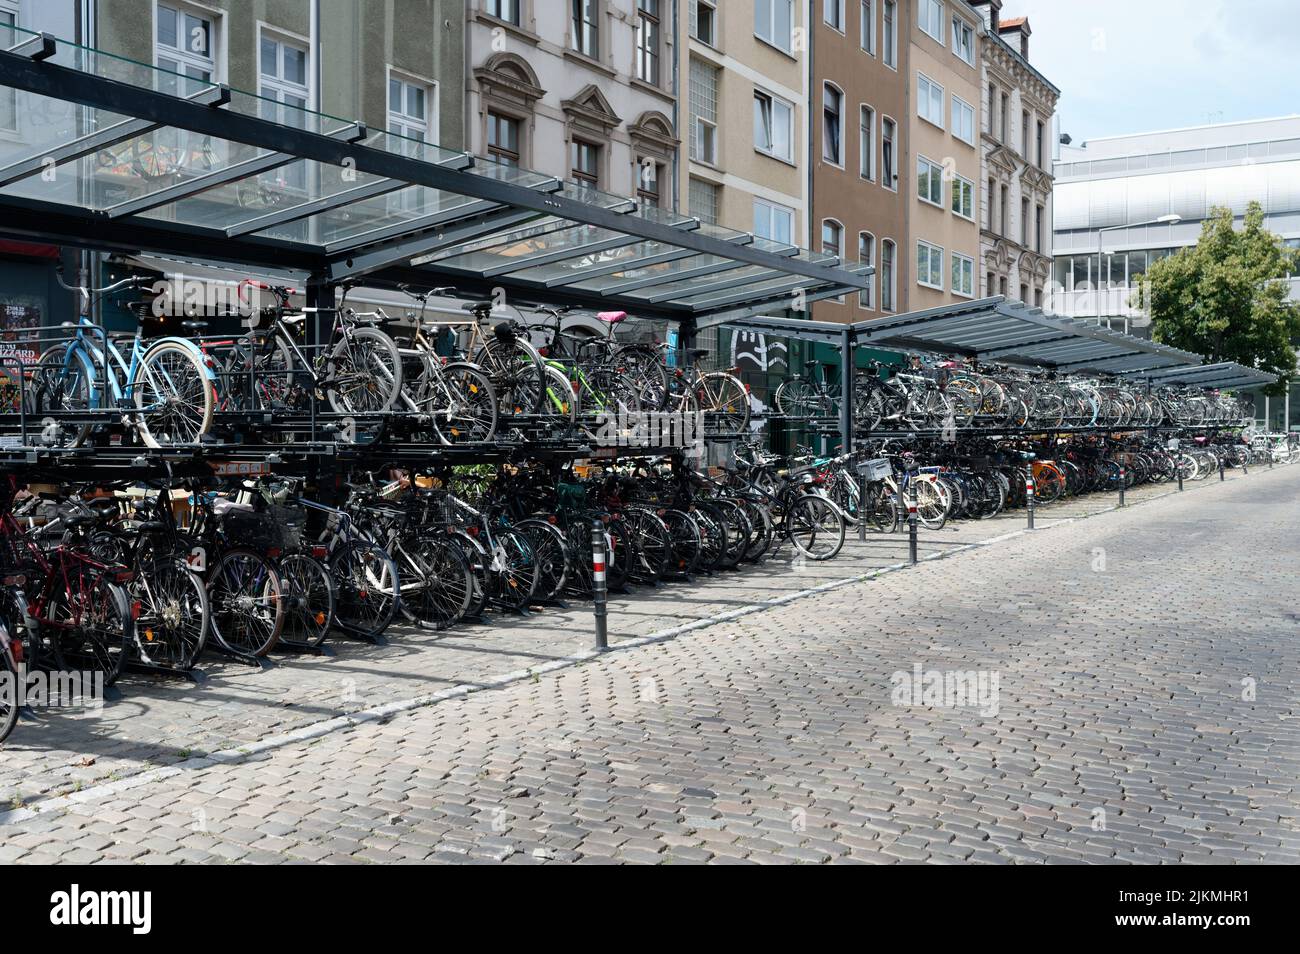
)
(246, 596)
(366, 588)
(644, 367)
(91, 621)
(933, 501)
(515, 569)
(516, 371)
(8, 699)
(551, 552)
(173, 394)
(880, 508)
(559, 403)
(653, 544)
(684, 538)
(760, 541)
(61, 383)
(814, 527)
(363, 373)
(724, 402)
(463, 404)
(439, 586)
(308, 600)
(172, 625)
(796, 398)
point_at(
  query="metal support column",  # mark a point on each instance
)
(599, 591)
(846, 389)
(1123, 480)
(1029, 490)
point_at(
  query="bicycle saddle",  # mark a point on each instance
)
(194, 325)
(222, 506)
(293, 319)
(613, 317)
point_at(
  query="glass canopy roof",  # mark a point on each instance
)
(105, 152)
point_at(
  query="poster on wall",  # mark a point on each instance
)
(19, 348)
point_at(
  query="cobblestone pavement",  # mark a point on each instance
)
(1147, 676)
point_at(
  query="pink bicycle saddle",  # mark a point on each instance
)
(613, 317)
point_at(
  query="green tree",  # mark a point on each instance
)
(1226, 296)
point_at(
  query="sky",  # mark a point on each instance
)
(1126, 66)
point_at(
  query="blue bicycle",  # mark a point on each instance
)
(164, 386)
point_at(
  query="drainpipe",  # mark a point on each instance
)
(679, 45)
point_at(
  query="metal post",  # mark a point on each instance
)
(862, 504)
(1178, 468)
(847, 368)
(1221, 477)
(599, 592)
(911, 519)
(1029, 492)
(1123, 479)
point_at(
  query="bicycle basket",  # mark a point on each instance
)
(878, 468)
(505, 332)
(257, 530)
(571, 496)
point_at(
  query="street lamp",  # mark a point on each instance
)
(1172, 218)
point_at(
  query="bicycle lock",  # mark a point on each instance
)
(599, 590)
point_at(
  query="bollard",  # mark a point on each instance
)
(1029, 492)
(1221, 477)
(1123, 479)
(862, 508)
(1178, 469)
(911, 520)
(599, 593)
(1243, 465)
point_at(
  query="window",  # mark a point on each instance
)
(774, 23)
(1024, 292)
(647, 41)
(507, 10)
(867, 27)
(832, 103)
(282, 78)
(1024, 224)
(1038, 150)
(704, 112)
(585, 27)
(867, 256)
(584, 163)
(1002, 285)
(963, 275)
(890, 39)
(773, 222)
(929, 100)
(867, 144)
(1038, 228)
(647, 187)
(703, 200)
(503, 139)
(832, 232)
(929, 181)
(704, 20)
(408, 108)
(1024, 134)
(1038, 298)
(990, 218)
(929, 265)
(993, 109)
(963, 120)
(1002, 214)
(888, 176)
(833, 14)
(1002, 118)
(929, 17)
(963, 41)
(773, 126)
(888, 252)
(185, 46)
(963, 197)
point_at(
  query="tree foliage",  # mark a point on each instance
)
(1226, 296)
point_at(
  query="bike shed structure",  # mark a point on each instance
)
(119, 156)
(1006, 331)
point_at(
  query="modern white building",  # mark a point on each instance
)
(1123, 202)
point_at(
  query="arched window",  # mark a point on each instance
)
(867, 256)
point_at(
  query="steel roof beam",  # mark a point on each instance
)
(303, 210)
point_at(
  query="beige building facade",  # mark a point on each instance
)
(943, 154)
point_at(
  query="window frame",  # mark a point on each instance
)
(889, 37)
(869, 292)
(957, 181)
(772, 101)
(187, 57)
(926, 8)
(867, 38)
(889, 174)
(649, 54)
(712, 5)
(497, 152)
(888, 269)
(772, 210)
(578, 24)
(974, 119)
(838, 160)
(955, 259)
(960, 28)
(929, 99)
(866, 143)
(836, 6)
(499, 4)
(771, 25)
(930, 177)
(931, 249)
(582, 176)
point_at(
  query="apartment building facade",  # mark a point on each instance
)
(859, 182)
(745, 70)
(1018, 104)
(943, 153)
(584, 90)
